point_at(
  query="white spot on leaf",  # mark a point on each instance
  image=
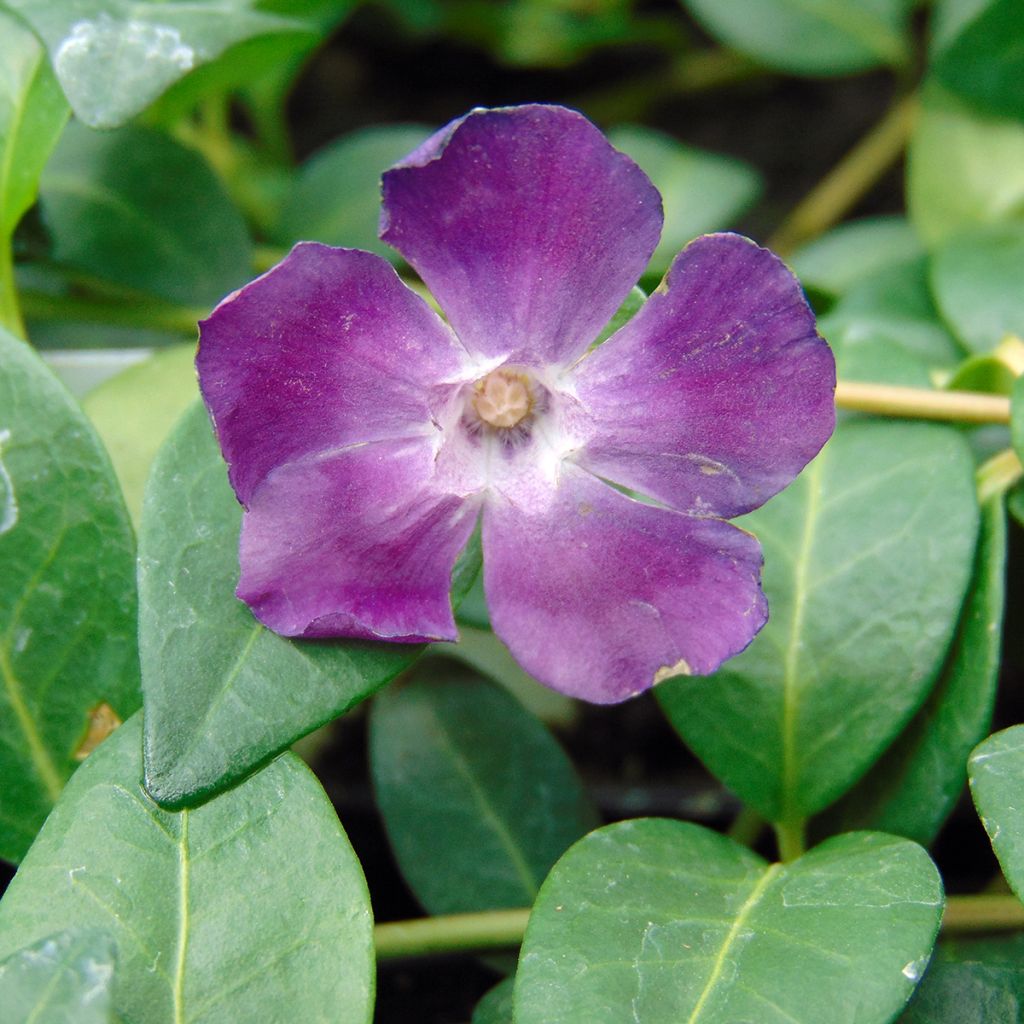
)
(8, 499)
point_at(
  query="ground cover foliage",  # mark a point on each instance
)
(203, 820)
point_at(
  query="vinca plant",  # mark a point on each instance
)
(502, 561)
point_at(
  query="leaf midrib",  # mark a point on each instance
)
(730, 939)
(527, 878)
(801, 589)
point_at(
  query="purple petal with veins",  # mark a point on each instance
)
(527, 226)
(364, 435)
(719, 391)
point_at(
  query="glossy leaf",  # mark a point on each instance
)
(114, 57)
(867, 558)
(222, 692)
(860, 249)
(32, 114)
(496, 1006)
(700, 191)
(964, 168)
(655, 920)
(251, 908)
(810, 37)
(976, 279)
(65, 978)
(478, 799)
(336, 195)
(139, 210)
(913, 788)
(894, 305)
(984, 61)
(134, 412)
(996, 772)
(67, 606)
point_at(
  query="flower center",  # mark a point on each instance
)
(504, 398)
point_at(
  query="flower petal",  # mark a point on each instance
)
(527, 226)
(355, 544)
(600, 596)
(326, 349)
(719, 391)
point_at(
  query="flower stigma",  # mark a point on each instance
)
(504, 398)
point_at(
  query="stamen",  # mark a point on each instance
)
(504, 398)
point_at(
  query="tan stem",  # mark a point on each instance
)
(855, 175)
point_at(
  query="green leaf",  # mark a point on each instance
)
(496, 1006)
(222, 692)
(139, 210)
(894, 305)
(833, 264)
(1015, 503)
(993, 372)
(975, 278)
(251, 908)
(655, 920)
(477, 797)
(134, 412)
(996, 772)
(984, 62)
(67, 605)
(811, 37)
(913, 788)
(700, 191)
(964, 168)
(114, 57)
(967, 993)
(867, 558)
(336, 195)
(631, 305)
(32, 114)
(63, 979)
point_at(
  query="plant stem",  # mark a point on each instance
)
(455, 933)
(10, 312)
(792, 839)
(503, 929)
(746, 827)
(840, 190)
(998, 474)
(920, 403)
(986, 912)
(689, 73)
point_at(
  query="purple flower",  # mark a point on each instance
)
(365, 436)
